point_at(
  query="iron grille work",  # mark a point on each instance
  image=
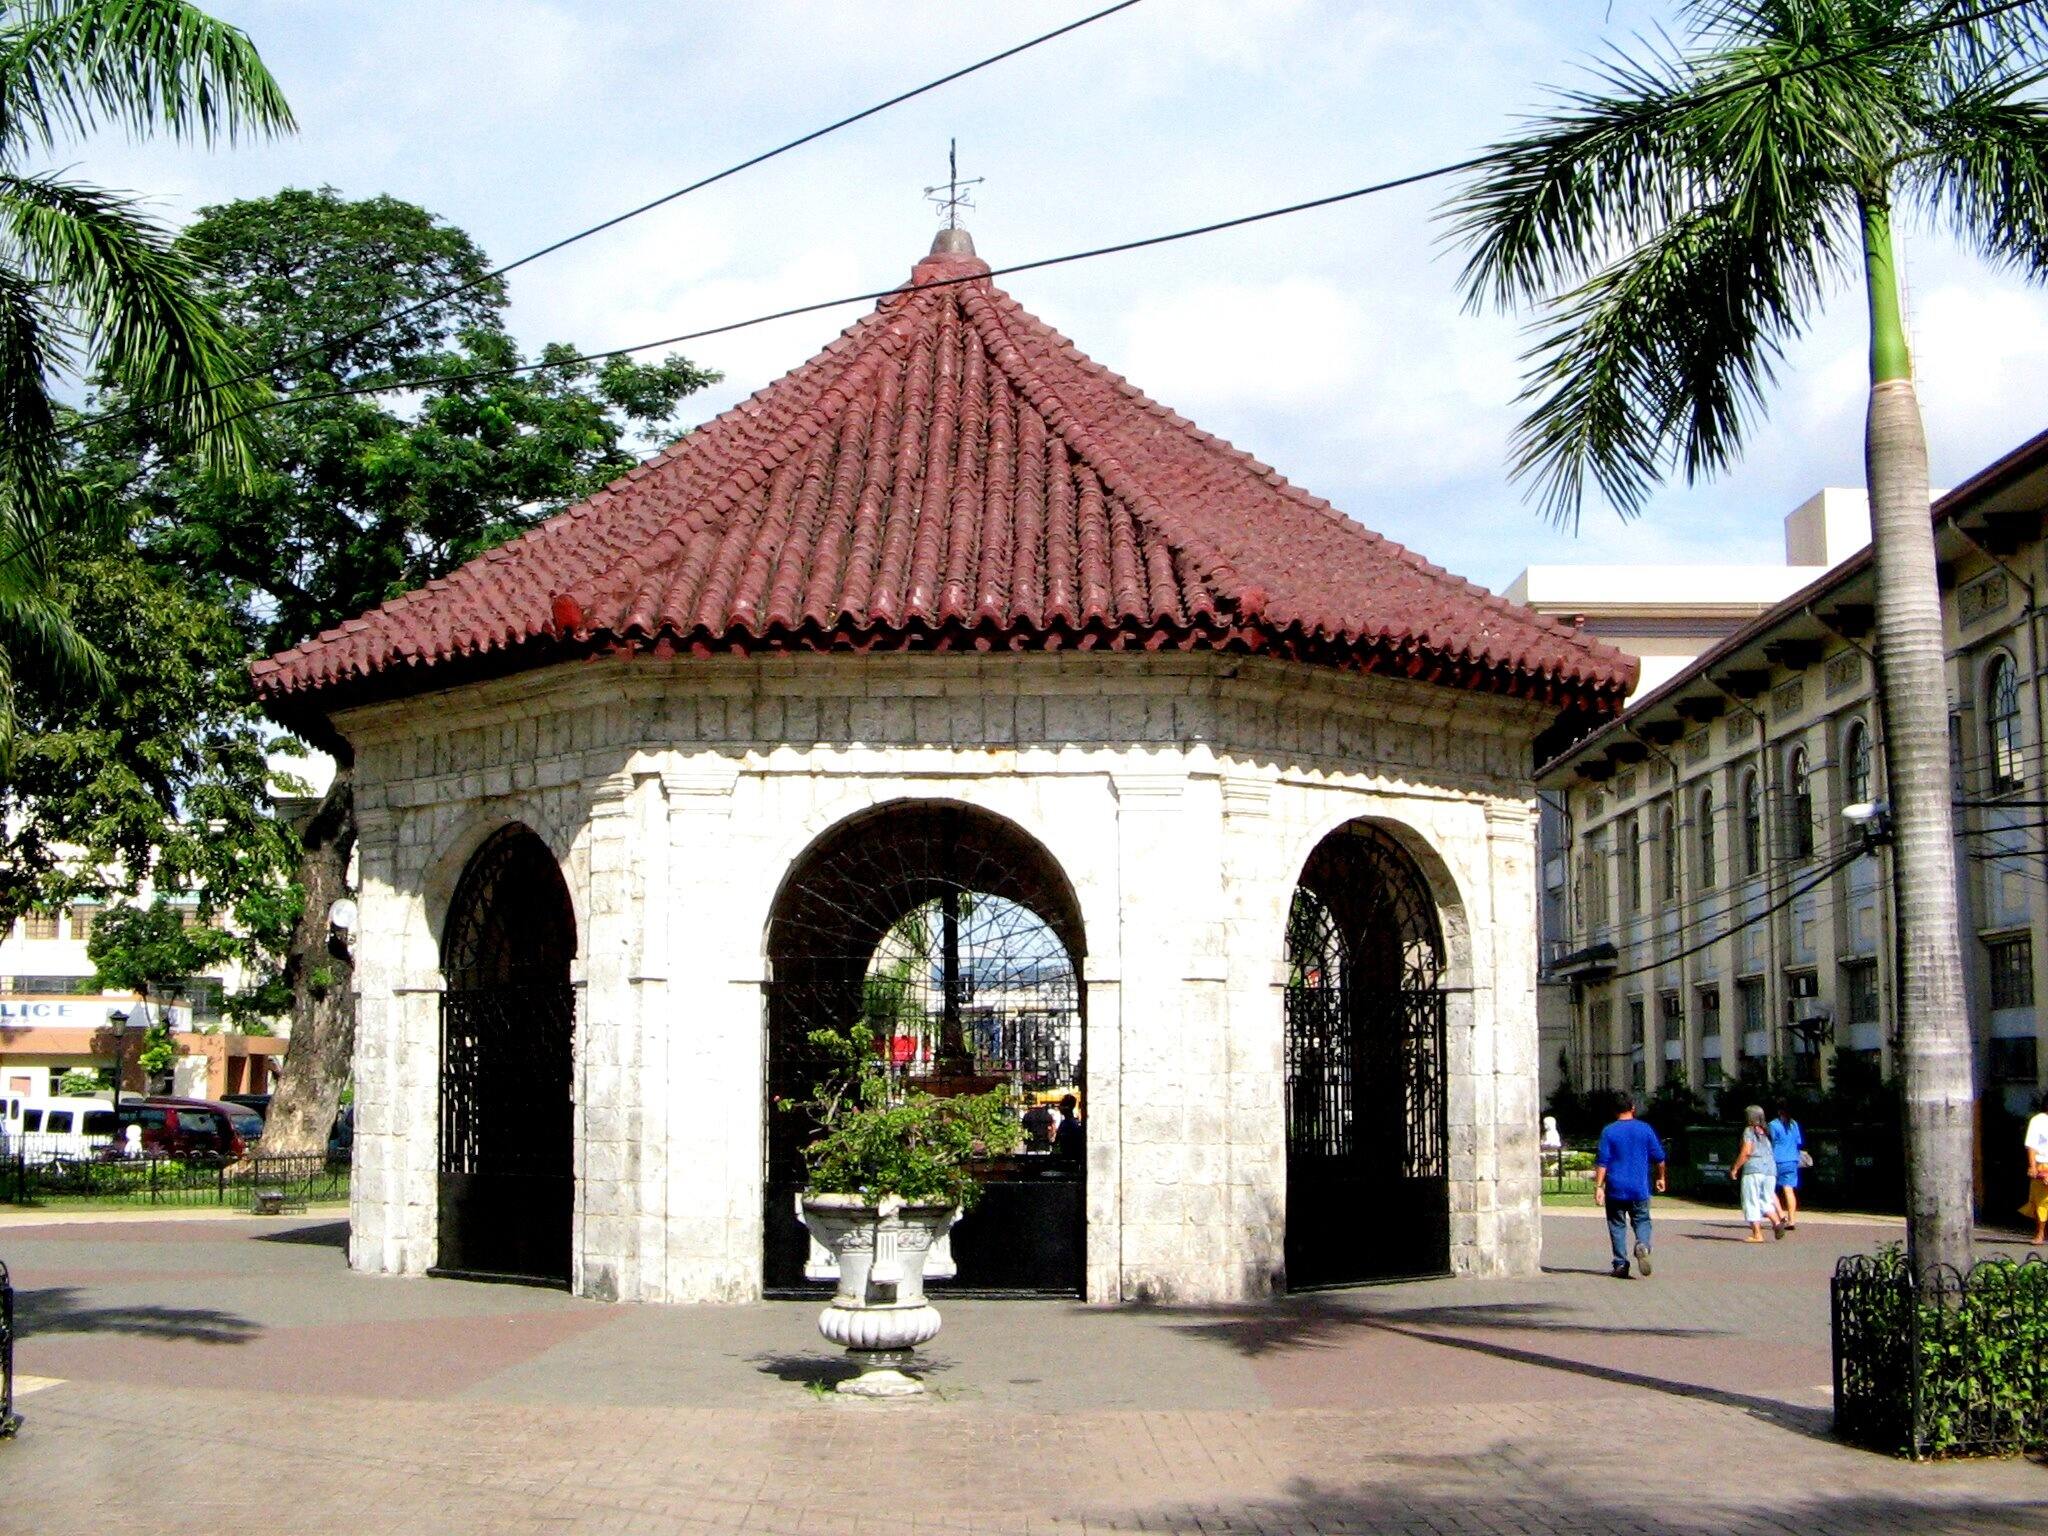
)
(507, 1040)
(1942, 1364)
(1365, 1090)
(10, 1421)
(949, 938)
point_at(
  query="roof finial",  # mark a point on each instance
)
(951, 195)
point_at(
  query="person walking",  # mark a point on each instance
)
(1788, 1152)
(1756, 1168)
(1630, 1163)
(2037, 1173)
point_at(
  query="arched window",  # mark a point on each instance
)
(1705, 822)
(2002, 724)
(1856, 765)
(1634, 871)
(1667, 854)
(1798, 807)
(1752, 824)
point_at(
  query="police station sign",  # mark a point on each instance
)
(60, 1012)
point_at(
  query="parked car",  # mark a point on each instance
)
(192, 1130)
(60, 1130)
(259, 1102)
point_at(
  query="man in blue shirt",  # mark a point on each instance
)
(1622, 1180)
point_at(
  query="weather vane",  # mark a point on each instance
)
(951, 195)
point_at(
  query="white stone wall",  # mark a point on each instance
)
(1180, 795)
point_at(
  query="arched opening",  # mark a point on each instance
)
(507, 1170)
(1368, 1192)
(954, 940)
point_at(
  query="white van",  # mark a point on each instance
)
(60, 1130)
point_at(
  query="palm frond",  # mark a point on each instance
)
(32, 352)
(1591, 175)
(1662, 360)
(138, 303)
(67, 66)
(1985, 170)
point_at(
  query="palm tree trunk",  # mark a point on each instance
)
(1913, 695)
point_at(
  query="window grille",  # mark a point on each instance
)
(1856, 765)
(1752, 825)
(1798, 807)
(2012, 971)
(2002, 722)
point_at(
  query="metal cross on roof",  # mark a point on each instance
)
(951, 195)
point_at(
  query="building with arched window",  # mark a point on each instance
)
(1783, 721)
(951, 693)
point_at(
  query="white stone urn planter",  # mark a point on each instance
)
(879, 1313)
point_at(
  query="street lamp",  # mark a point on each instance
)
(119, 1023)
(117, 1026)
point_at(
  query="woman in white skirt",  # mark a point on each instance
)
(1757, 1170)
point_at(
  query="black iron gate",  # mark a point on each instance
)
(1367, 1194)
(507, 1162)
(951, 939)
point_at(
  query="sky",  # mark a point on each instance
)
(1332, 345)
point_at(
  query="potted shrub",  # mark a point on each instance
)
(886, 1176)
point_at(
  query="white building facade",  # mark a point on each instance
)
(1721, 910)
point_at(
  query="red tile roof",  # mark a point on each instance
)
(950, 473)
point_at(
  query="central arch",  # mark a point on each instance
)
(954, 938)
(1368, 1192)
(506, 1184)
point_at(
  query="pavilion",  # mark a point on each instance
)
(951, 684)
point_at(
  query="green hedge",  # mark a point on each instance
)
(1941, 1364)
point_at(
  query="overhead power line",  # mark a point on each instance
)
(1811, 883)
(1217, 226)
(457, 290)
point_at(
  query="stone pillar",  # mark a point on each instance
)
(607, 1071)
(1254, 942)
(1517, 1245)
(1179, 1245)
(393, 1212)
(710, 1028)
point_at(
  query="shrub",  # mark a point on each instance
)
(880, 1137)
(1942, 1365)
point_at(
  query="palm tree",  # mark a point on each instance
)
(1678, 221)
(90, 286)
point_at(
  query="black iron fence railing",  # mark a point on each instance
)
(1567, 1170)
(37, 1175)
(1941, 1364)
(10, 1421)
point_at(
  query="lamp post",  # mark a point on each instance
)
(117, 1026)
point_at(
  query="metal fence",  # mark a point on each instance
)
(31, 1175)
(10, 1421)
(1567, 1170)
(1942, 1364)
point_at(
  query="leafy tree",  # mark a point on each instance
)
(1678, 221)
(161, 780)
(396, 452)
(87, 282)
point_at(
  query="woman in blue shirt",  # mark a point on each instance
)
(1786, 1145)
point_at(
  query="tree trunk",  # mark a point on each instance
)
(1934, 1026)
(321, 972)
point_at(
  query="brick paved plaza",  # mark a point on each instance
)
(231, 1373)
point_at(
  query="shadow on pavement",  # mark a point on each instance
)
(1318, 1322)
(1436, 1503)
(326, 1234)
(829, 1370)
(58, 1310)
